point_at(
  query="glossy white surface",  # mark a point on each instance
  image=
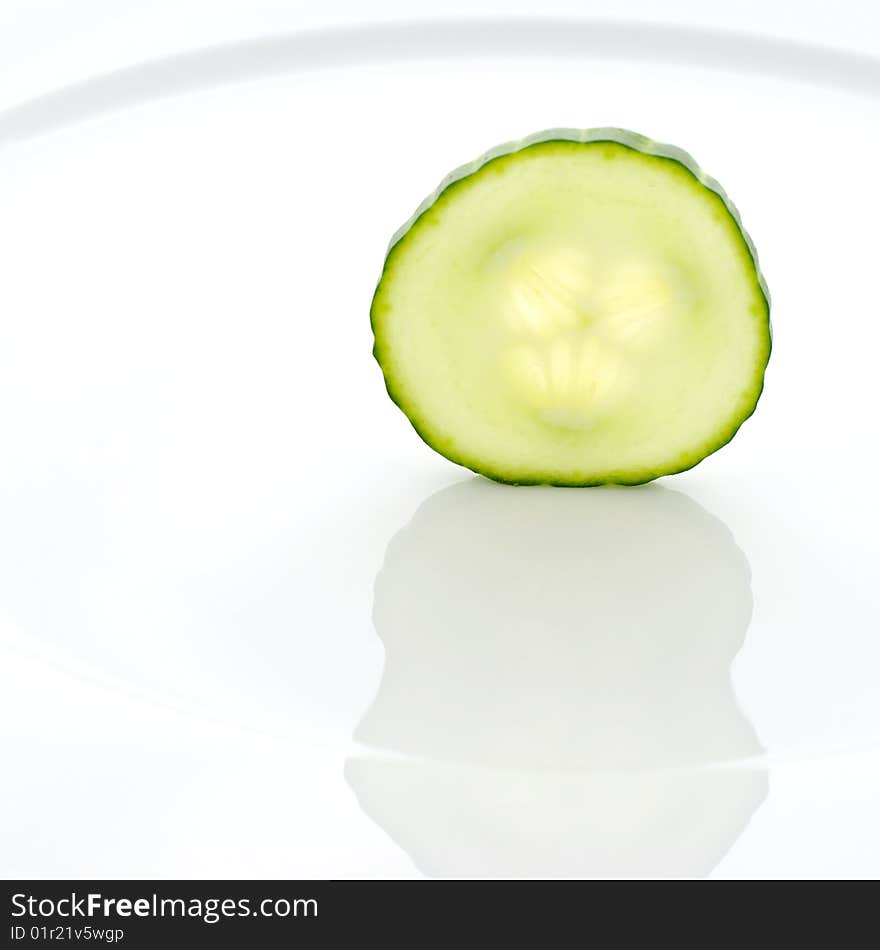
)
(247, 627)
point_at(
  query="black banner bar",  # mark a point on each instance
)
(162, 915)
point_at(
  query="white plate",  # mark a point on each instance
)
(201, 477)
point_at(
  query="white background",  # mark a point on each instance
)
(201, 474)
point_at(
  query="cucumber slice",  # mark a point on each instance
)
(576, 308)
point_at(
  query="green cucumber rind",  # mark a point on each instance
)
(638, 143)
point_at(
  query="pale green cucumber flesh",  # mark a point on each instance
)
(578, 308)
